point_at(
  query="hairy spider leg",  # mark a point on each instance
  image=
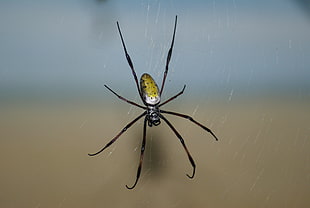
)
(173, 97)
(191, 119)
(129, 61)
(184, 146)
(119, 134)
(124, 99)
(141, 155)
(168, 57)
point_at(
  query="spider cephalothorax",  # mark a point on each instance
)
(152, 116)
(150, 96)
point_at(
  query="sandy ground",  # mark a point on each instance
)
(261, 160)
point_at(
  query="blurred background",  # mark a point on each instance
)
(246, 67)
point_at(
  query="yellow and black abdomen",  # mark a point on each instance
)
(149, 90)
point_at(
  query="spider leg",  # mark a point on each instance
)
(141, 156)
(129, 61)
(192, 120)
(168, 57)
(184, 146)
(124, 99)
(174, 97)
(119, 134)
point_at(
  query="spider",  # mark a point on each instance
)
(151, 97)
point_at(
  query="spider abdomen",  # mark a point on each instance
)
(149, 90)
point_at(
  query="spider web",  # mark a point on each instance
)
(247, 78)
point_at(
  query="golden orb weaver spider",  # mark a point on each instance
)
(150, 95)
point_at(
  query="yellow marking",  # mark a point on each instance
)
(149, 89)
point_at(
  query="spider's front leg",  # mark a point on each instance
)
(192, 120)
(184, 146)
(119, 134)
(141, 155)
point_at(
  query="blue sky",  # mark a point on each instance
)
(74, 45)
